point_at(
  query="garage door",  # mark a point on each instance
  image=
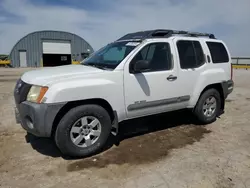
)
(56, 48)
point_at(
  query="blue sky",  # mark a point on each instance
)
(102, 21)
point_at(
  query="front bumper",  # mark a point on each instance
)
(37, 119)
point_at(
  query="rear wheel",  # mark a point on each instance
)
(208, 106)
(83, 131)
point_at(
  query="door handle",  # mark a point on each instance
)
(171, 78)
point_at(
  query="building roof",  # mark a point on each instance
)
(44, 31)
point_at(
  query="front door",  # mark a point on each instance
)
(155, 90)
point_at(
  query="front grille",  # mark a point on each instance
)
(21, 91)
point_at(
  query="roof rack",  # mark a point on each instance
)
(159, 33)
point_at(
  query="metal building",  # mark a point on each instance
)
(49, 48)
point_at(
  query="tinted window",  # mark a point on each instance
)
(190, 54)
(200, 59)
(186, 54)
(218, 52)
(158, 55)
(144, 53)
(150, 52)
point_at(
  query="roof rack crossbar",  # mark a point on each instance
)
(180, 32)
(163, 33)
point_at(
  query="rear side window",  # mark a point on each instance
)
(190, 53)
(218, 52)
(200, 59)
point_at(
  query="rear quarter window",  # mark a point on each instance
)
(218, 52)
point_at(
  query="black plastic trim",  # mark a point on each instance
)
(115, 125)
(41, 115)
(21, 91)
(142, 105)
(227, 87)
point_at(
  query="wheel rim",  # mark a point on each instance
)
(85, 131)
(209, 106)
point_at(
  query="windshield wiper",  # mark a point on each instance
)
(99, 66)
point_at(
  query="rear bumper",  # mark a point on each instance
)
(37, 119)
(228, 87)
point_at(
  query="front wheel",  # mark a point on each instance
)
(83, 131)
(208, 106)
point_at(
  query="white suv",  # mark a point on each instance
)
(140, 74)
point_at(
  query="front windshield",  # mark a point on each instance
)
(110, 56)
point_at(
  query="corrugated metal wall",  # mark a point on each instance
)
(32, 43)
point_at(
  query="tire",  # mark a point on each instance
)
(199, 110)
(64, 135)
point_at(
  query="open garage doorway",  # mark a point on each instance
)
(56, 53)
(51, 60)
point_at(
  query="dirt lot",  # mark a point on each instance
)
(160, 151)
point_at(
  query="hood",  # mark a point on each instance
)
(45, 75)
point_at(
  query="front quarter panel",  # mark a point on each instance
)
(109, 89)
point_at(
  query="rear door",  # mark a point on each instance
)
(191, 59)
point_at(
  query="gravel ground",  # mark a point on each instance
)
(160, 151)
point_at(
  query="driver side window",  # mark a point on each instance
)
(158, 55)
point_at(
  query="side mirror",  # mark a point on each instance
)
(141, 65)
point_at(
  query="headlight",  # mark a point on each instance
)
(36, 94)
